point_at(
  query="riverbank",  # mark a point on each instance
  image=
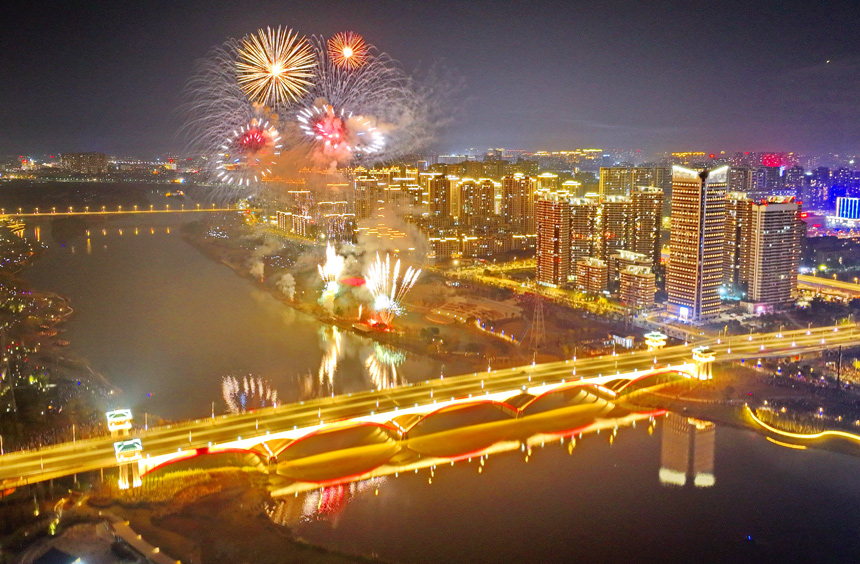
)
(251, 254)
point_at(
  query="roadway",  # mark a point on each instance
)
(64, 459)
(120, 211)
(828, 285)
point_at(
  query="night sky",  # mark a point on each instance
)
(538, 75)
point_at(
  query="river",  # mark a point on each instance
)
(165, 324)
(681, 493)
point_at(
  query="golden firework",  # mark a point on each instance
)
(275, 67)
(347, 50)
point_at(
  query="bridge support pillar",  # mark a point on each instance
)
(703, 358)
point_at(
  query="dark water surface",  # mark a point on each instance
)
(608, 503)
(165, 324)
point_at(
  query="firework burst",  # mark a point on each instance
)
(249, 153)
(348, 50)
(388, 288)
(247, 393)
(340, 134)
(275, 67)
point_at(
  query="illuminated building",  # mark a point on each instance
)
(820, 188)
(637, 287)
(584, 215)
(614, 181)
(620, 261)
(368, 192)
(741, 179)
(736, 229)
(592, 275)
(285, 220)
(696, 244)
(552, 256)
(477, 200)
(687, 451)
(85, 163)
(614, 225)
(547, 182)
(647, 217)
(445, 247)
(518, 202)
(771, 252)
(848, 208)
(440, 195)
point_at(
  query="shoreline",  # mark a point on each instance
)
(467, 362)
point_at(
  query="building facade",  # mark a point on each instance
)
(695, 269)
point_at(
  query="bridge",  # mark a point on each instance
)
(133, 210)
(511, 393)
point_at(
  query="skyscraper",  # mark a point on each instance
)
(518, 202)
(736, 229)
(476, 200)
(439, 186)
(552, 256)
(615, 224)
(584, 214)
(647, 216)
(696, 242)
(771, 252)
(614, 181)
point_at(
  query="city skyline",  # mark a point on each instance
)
(107, 78)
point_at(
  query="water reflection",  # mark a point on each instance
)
(305, 488)
(323, 503)
(687, 452)
(248, 393)
(382, 367)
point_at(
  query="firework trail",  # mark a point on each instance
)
(382, 366)
(247, 393)
(275, 67)
(330, 271)
(388, 288)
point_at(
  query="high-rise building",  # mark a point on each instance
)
(592, 275)
(637, 287)
(614, 181)
(771, 252)
(615, 225)
(736, 229)
(439, 187)
(741, 179)
(646, 220)
(518, 202)
(368, 193)
(552, 256)
(584, 225)
(696, 244)
(476, 200)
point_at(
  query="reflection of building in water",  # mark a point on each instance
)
(687, 451)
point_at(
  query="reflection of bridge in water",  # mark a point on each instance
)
(439, 419)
